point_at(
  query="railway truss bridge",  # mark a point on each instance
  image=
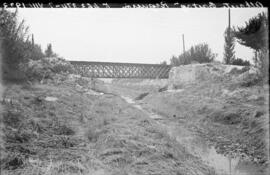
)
(121, 70)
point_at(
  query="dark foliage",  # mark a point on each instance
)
(49, 52)
(240, 62)
(163, 63)
(16, 47)
(229, 47)
(255, 36)
(200, 53)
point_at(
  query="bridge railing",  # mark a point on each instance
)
(121, 70)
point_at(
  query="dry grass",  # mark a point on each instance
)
(220, 112)
(85, 134)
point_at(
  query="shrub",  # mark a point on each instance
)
(163, 63)
(200, 53)
(240, 62)
(250, 80)
(46, 68)
(49, 52)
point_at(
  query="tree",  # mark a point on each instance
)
(163, 63)
(49, 52)
(255, 35)
(33, 51)
(17, 49)
(200, 53)
(174, 61)
(14, 33)
(229, 56)
(184, 59)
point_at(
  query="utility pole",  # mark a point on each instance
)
(183, 45)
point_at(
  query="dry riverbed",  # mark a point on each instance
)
(64, 127)
(223, 123)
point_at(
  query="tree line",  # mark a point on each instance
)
(18, 46)
(253, 35)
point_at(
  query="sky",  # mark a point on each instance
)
(133, 35)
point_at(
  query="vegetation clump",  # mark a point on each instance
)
(255, 36)
(23, 60)
(200, 53)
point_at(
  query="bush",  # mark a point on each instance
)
(46, 68)
(200, 53)
(240, 62)
(250, 80)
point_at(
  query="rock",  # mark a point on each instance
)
(232, 69)
(226, 92)
(6, 100)
(253, 97)
(51, 99)
(258, 114)
(175, 90)
(226, 117)
(38, 99)
(91, 92)
(185, 74)
(79, 87)
(163, 89)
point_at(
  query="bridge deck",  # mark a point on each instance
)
(121, 70)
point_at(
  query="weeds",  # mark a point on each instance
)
(93, 134)
(63, 130)
(12, 119)
(250, 80)
(13, 161)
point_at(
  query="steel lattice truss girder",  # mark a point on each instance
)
(121, 70)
